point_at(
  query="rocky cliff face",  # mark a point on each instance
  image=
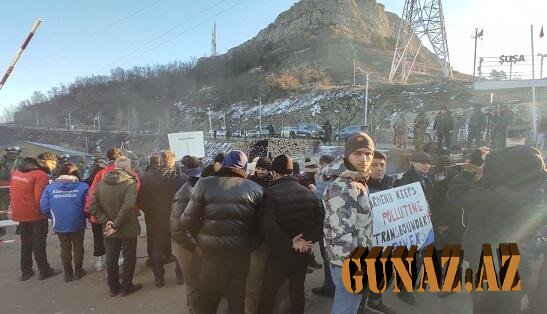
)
(325, 33)
(363, 18)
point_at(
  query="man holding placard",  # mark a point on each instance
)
(348, 216)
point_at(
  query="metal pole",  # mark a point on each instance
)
(366, 100)
(475, 55)
(338, 128)
(69, 120)
(99, 120)
(511, 69)
(354, 72)
(19, 53)
(260, 117)
(534, 113)
(541, 68)
(210, 123)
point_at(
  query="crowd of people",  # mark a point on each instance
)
(245, 236)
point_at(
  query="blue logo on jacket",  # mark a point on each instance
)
(63, 201)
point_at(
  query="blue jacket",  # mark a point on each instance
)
(63, 201)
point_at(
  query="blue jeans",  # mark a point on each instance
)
(344, 301)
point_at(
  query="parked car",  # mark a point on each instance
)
(221, 133)
(345, 132)
(303, 130)
(237, 133)
(289, 131)
(252, 133)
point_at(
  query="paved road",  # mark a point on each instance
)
(90, 295)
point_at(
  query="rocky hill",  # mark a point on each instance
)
(307, 50)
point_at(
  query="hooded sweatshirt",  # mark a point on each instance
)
(115, 200)
(63, 201)
(348, 216)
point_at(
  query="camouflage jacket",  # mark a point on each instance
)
(348, 216)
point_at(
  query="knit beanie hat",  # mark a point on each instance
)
(356, 141)
(235, 159)
(282, 164)
(263, 163)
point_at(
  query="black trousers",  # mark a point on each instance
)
(223, 275)
(148, 224)
(33, 241)
(327, 282)
(72, 243)
(447, 139)
(98, 239)
(161, 248)
(113, 248)
(275, 274)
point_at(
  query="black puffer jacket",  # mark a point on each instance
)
(289, 210)
(158, 188)
(224, 212)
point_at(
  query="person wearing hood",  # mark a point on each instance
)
(222, 218)
(114, 206)
(159, 186)
(63, 201)
(262, 175)
(505, 206)
(292, 222)
(98, 238)
(189, 261)
(348, 216)
(26, 186)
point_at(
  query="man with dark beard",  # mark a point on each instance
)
(262, 175)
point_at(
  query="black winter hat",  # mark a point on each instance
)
(282, 164)
(356, 141)
(264, 163)
(219, 157)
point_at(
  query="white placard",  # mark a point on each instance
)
(187, 143)
(400, 216)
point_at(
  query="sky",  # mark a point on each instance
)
(80, 38)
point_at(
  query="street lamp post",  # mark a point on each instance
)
(365, 78)
(338, 116)
(210, 123)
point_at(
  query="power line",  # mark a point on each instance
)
(189, 29)
(161, 35)
(91, 36)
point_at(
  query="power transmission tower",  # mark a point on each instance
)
(214, 41)
(420, 18)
